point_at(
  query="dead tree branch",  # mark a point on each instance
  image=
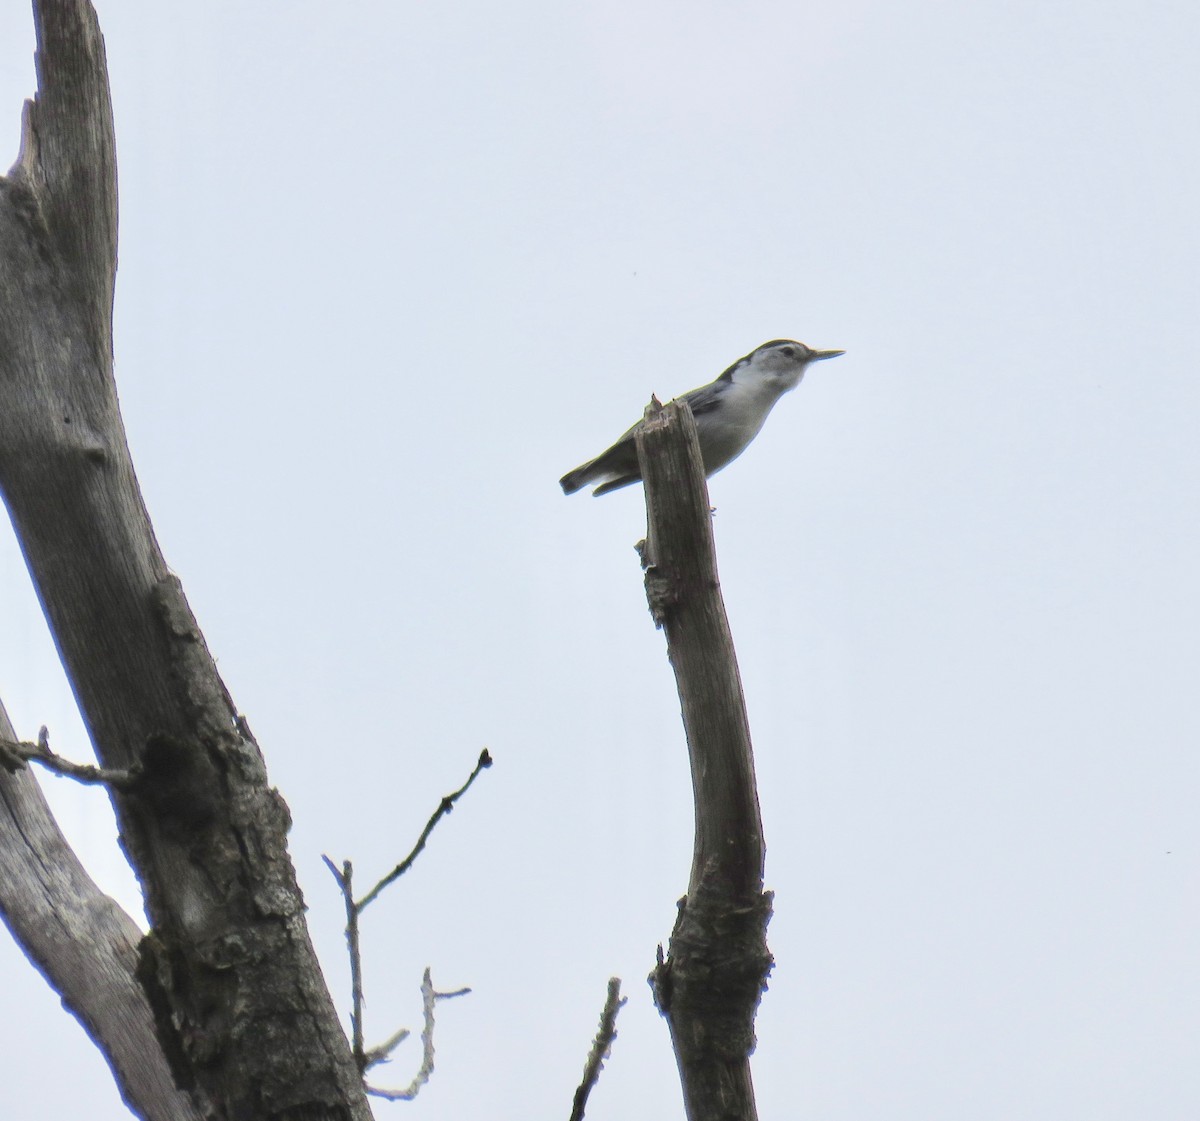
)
(345, 882)
(429, 1000)
(242, 1012)
(83, 943)
(446, 805)
(601, 1047)
(344, 876)
(709, 985)
(14, 755)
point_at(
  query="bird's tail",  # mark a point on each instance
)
(612, 469)
(577, 479)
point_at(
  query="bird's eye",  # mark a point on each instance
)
(788, 351)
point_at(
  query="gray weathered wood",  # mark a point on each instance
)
(84, 945)
(242, 1011)
(709, 985)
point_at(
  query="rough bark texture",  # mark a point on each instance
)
(241, 1008)
(709, 986)
(84, 945)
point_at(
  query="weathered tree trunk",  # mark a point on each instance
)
(241, 1009)
(709, 986)
(84, 945)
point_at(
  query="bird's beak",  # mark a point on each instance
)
(819, 354)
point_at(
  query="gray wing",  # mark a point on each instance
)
(701, 400)
(704, 399)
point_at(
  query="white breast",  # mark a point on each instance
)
(726, 431)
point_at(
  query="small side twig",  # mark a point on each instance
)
(344, 877)
(383, 1051)
(601, 1047)
(447, 804)
(15, 754)
(345, 882)
(429, 999)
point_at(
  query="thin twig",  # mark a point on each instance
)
(365, 1059)
(15, 754)
(429, 999)
(447, 804)
(345, 881)
(383, 1051)
(601, 1047)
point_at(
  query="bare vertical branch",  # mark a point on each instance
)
(238, 997)
(364, 1058)
(68, 156)
(601, 1047)
(709, 985)
(345, 883)
(430, 998)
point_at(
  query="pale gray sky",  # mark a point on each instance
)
(387, 270)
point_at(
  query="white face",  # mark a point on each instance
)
(779, 365)
(782, 355)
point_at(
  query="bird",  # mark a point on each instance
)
(729, 413)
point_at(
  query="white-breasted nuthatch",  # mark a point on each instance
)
(729, 413)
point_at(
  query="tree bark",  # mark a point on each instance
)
(84, 945)
(709, 985)
(242, 1012)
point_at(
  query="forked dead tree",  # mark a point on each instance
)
(222, 1011)
(226, 995)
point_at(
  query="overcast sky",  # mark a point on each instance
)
(387, 270)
